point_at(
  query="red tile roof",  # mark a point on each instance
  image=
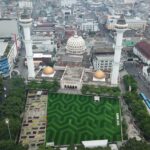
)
(144, 48)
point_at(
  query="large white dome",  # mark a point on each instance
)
(75, 45)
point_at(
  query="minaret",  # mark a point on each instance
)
(120, 27)
(26, 22)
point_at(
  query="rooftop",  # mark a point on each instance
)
(73, 74)
(144, 48)
(103, 48)
(5, 30)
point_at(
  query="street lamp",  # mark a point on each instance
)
(7, 122)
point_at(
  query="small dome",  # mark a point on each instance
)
(76, 45)
(48, 70)
(99, 74)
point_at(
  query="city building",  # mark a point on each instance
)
(146, 72)
(102, 56)
(68, 3)
(25, 4)
(133, 23)
(89, 23)
(142, 50)
(9, 45)
(43, 43)
(40, 59)
(8, 55)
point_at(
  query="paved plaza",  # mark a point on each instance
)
(34, 121)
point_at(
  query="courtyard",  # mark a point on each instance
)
(76, 118)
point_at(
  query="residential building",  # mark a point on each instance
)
(142, 50)
(8, 54)
(102, 56)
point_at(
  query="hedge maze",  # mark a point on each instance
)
(74, 118)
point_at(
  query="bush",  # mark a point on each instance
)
(52, 86)
(100, 90)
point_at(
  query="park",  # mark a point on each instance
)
(75, 118)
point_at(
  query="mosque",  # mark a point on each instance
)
(74, 73)
(70, 67)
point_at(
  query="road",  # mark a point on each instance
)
(133, 69)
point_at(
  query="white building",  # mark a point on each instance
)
(43, 44)
(142, 50)
(72, 78)
(89, 25)
(102, 56)
(95, 143)
(133, 23)
(146, 72)
(68, 3)
(25, 4)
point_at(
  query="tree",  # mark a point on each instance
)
(11, 108)
(133, 144)
(129, 81)
(10, 145)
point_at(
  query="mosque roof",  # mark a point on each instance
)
(75, 44)
(99, 74)
(48, 70)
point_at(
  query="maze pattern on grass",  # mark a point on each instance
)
(75, 118)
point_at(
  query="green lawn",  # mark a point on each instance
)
(74, 118)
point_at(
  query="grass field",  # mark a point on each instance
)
(74, 118)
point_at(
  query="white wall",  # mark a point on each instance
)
(141, 56)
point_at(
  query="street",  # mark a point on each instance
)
(136, 71)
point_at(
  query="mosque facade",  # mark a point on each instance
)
(74, 72)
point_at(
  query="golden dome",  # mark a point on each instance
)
(48, 70)
(99, 74)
